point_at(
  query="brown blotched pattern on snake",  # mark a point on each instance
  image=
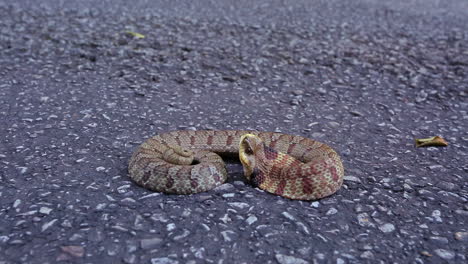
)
(185, 162)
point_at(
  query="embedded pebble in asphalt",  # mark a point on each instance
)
(78, 93)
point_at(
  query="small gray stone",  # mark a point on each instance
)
(184, 234)
(407, 187)
(75, 237)
(198, 252)
(426, 194)
(288, 216)
(251, 219)
(305, 251)
(421, 96)
(284, 259)
(387, 228)
(463, 236)
(132, 246)
(303, 227)
(436, 216)
(113, 249)
(119, 228)
(317, 135)
(138, 223)
(435, 167)
(16, 242)
(149, 196)
(48, 224)
(163, 261)
(227, 235)
(76, 251)
(367, 255)
(239, 183)
(130, 259)
(356, 113)
(23, 170)
(352, 178)
(66, 223)
(21, 222)
(170, 227)
(150, 243)
(363, 220)
(322, 90)
(319, 256)
(294, 102)
(224, 187)
(110, 198)
(186, 212)
(128, 200)
(439, 239)
(101, 206)
(448, 186)
(45, 210)
(226, 219)
(445, 254)
(298, 92)
(303, 60)
(334, 124)
(123, 188)
(331, 211)
(239, 206)
(4, 239)
(16, 203)
(462, 212)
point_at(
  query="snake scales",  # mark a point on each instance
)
(185, 162)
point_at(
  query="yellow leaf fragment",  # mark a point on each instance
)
(425, 253)
(431, 142)
(135, 34)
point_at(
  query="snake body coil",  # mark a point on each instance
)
(185, 162)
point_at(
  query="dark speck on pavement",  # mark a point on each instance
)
(78, 93)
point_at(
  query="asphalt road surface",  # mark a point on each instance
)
(78, 93)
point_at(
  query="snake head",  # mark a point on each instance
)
(265, 167)
(249, 146)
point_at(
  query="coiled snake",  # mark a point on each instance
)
(185, 162)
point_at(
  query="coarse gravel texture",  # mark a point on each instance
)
(78, 93)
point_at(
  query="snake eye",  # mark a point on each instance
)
(249, 150)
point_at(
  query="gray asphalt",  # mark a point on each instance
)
(78, 93)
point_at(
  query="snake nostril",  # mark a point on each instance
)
(195, 162)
